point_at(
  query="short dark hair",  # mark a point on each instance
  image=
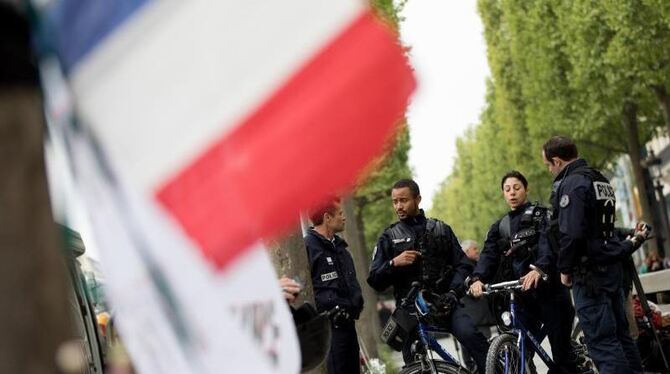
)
(328, 206)
(514, 174)
(561, 147)
(409, 183)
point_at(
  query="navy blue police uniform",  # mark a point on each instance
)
(442, 267)
(335, 285)
(517, 240)
(584, 211)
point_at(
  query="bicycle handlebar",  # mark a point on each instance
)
(502, 286)
(487, 288)
(410, 295)
(511, 285)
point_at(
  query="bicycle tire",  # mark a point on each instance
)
(584, 361)
(441, 366)
(504, 356)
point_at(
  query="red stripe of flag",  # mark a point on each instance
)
(310, 139)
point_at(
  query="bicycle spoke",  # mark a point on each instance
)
(509, 360)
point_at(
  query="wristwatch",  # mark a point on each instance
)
(391, 262)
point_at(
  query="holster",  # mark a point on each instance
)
(585, 275)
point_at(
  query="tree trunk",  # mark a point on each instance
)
(664, 104)
(368, 325)
(289, 258)
(34, 313)
(629, 122)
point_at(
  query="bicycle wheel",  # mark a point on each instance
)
(504, 356)
(441, 367)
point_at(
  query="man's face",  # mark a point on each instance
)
(404, 204)
(514, 192)
(335, 222)
(472, 253)
(555, 166)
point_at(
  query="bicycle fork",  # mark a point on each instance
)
(521, 341)
(426, 358)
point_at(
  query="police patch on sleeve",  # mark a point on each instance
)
(565, 200)
(328, 276)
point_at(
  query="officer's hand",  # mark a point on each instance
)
(290, 288)
(477, 289)
(641, 233)
(530, 280)
(340, 317)
(566, 279)
(406, 258)
(643, 229)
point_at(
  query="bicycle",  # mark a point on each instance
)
(508, 351)
(427, 344)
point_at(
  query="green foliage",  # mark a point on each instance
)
(373, 198)
(472, 193)
(389, 10)
(557, 67)
(662, 7)
(386, 355)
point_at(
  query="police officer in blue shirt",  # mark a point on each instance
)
(590, 255)
(516, 241)
(335, 285)
(426, 250)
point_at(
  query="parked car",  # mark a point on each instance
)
(84, 317)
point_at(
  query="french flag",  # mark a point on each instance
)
(204, 126)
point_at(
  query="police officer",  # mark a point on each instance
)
(516, 240)
(590, 255)
(335, 285)
(423, 249)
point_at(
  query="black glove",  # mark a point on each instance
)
(340, 317)
(449, 300)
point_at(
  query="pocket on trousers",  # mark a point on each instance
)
(597, 321)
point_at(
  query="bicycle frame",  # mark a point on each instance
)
(426, 332)
(522, 333)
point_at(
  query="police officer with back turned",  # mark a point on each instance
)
(335, 285)
(426, 250)
(590, 255)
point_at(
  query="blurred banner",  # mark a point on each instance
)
(195, 128)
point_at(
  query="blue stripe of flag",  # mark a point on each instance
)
(80, 25)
